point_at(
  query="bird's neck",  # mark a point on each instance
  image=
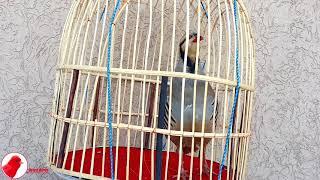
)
(191, 66)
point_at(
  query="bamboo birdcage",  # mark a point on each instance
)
(144, 49)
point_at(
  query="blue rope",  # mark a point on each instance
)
(236, 96)
(204, 8)
(109, 88)
(104, 10)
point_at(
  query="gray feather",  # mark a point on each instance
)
(188, 102)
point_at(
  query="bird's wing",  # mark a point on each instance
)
(166, 118)
(215, 112)
(212, 93)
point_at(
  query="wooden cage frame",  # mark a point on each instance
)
(141, 54)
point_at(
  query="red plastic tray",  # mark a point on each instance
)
(134, 163)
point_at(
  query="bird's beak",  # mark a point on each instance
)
(196, 38)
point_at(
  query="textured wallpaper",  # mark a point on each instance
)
(29, 39)
(286, 124)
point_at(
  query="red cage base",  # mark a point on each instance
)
(134, 164)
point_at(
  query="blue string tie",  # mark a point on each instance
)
(236, 96)
(109, 86)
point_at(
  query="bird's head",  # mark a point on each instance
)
(192, 48)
